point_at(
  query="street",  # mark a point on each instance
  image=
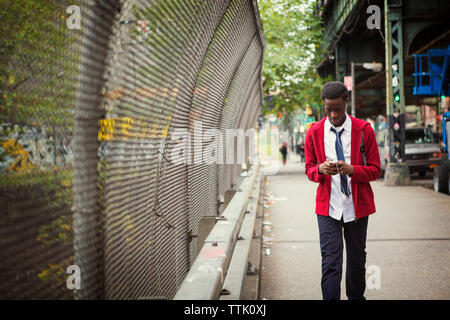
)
(408, 241)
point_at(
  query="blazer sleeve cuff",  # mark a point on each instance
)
(317, 176)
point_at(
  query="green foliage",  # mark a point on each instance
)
(38, 80)
(293, 37)
(58, 231)
(51, 194)
(56, 273)
(38, 66)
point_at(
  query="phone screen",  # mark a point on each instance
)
(334, 162)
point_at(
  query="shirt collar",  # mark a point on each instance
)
(346, 125)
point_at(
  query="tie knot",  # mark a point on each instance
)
(340, 132)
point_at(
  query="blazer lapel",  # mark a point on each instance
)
(320, 142)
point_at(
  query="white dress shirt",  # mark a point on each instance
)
(340, 205)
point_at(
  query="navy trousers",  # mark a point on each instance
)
(331, 247)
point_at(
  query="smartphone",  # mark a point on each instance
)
(334, 163)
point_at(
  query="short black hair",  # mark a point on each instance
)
(334, 90)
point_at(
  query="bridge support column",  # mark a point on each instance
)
(397, 171)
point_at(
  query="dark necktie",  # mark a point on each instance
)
(340, 156)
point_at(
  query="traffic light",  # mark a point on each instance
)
(397, 97)
(397, 125)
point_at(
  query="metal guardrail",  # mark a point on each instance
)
(232, 288)
(220, 252)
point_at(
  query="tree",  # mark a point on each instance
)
(38, 77)
(38, 66)
(293, 41)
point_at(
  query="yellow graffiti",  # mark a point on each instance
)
(130, 128)
(106, 131)
(127, 123)
(15, 150)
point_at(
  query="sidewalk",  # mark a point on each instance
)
(408, 240)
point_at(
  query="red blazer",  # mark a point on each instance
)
(361, 191)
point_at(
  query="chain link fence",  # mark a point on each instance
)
(92, 93)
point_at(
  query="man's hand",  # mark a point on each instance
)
(345, 168)
(328, 168)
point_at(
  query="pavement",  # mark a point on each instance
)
(408, 241)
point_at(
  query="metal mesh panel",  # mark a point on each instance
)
(98, 17)
(144, 196)
(88, 117)
(237, 92)
(38, 69)
(226, 50)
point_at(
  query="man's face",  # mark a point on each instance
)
(335, 110)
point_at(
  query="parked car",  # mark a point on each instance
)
(422, 150)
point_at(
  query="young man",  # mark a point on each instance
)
(344, 198)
